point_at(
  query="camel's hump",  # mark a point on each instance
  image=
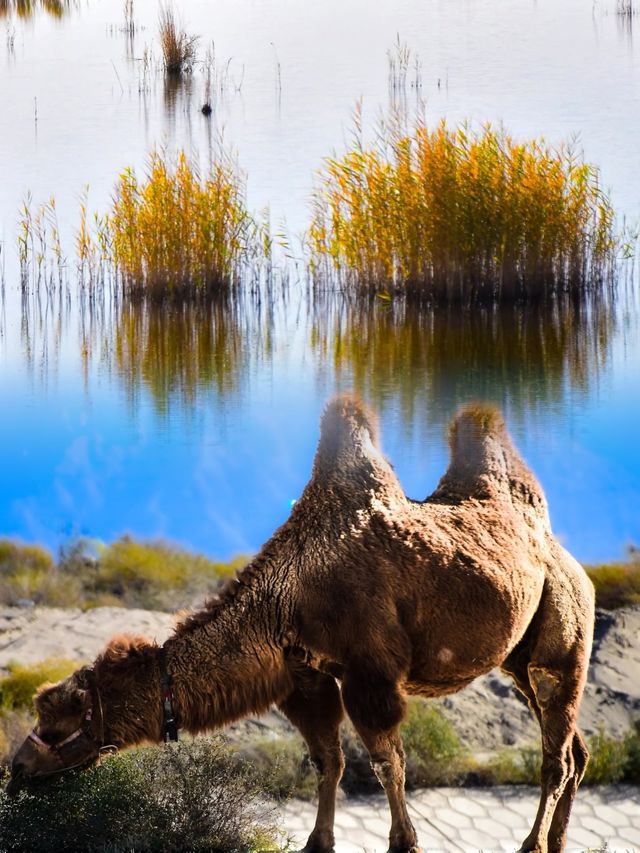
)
(348, 434)
(483, 459)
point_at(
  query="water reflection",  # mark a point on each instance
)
(28, 8)
(522, 357)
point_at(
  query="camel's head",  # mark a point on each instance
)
(66, 734)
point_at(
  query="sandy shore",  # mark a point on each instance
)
(488, 714)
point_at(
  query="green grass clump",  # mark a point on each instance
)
(617, 584)
(607, 760)
(452, 214)
(18, 687)
(127, 573)
(178, 48)
(178, 230)
(188, 796)
(433, 750)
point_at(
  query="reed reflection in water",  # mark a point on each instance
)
(26, 9)
(432, 360)
(177, 348)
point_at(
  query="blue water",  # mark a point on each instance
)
(88, 448)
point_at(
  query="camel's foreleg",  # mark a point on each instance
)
(315, 708)
(376, 710)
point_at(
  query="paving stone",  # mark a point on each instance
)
(582, 837)
(346, 820)
(631, 807)
(468, 806)
(611, 815)
(452, 818)
(630, 834)
(494, 828)
(600, 828)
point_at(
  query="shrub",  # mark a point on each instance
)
(155, 575)
(434, 753)
(17, 688)
(607, 761)
(29, 572)
(456, 215)
(178, 230)
(188, 796)
(617, 584)
(283, 763)
(126, 573)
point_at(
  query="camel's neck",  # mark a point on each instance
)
(228, 661)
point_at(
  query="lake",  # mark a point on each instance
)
(199, 424)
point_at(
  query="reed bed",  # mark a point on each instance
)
(453, 214)
(179, 230)
(178, 48)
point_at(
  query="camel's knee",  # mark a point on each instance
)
(580, 756)
(545, 684)
(328, 764)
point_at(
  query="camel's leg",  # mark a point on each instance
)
(376, 712)
(560, 822)
(554, 695)
(315, 708)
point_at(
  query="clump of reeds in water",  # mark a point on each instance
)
(179, 230)
(455, 214)
(178, 48)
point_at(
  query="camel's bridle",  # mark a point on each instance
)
(72, 752)
(169, 722)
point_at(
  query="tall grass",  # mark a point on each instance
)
(456, 214)
(178, 48)
(179, 229)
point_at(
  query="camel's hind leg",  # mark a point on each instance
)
(315, 708)
(376, 708)
(554, 693)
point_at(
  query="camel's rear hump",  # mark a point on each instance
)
(484, 461)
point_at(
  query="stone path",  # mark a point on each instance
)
(478, 819)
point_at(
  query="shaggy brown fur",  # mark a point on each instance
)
(364, 596)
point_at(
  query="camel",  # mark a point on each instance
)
(362, 597)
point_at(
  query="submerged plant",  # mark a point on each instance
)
(178, 48)
(178, 229)
(456, 214)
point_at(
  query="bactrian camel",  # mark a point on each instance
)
(362, 597)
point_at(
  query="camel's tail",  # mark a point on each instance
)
(484, 461)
